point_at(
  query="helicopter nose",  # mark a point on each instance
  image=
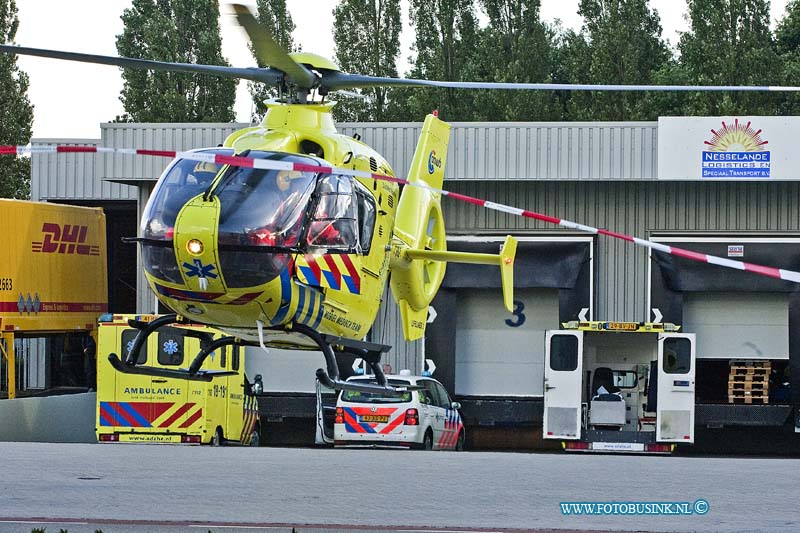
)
(195, 248)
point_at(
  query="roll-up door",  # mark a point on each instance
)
(500, 353)
(738, 325)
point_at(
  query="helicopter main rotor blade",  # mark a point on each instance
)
(340, 80)
(270, 52)
(264, 75)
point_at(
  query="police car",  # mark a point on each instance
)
(423, 417)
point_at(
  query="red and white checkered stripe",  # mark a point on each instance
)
(249, 162)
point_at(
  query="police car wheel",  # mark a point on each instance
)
(216, 440)
(427, 442)
(460, 442)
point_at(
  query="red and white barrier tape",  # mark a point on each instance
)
(249, 162)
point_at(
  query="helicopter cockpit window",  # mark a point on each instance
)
(334, 223)
(366, 216)
(261, 210)
(183, 180)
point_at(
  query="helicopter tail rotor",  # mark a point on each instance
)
(419, 246)
(420, 226)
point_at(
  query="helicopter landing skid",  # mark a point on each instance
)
(129, 366)
(370, 352)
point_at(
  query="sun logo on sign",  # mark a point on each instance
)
(736, 138)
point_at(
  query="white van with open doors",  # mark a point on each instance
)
(619, 386)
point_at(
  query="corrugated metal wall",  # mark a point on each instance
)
(155, 137)
(635, 208)
(72, 176)
(526, 150)
(606, 176)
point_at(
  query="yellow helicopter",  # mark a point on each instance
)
(275, 249)
(284, 237)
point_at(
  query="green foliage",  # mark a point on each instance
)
(516, 46)
(446, 44)
(274, 15)
(184, 31)
(620, 44)
(367, 42)
(729, 43)
(15, 110)
(787, 42)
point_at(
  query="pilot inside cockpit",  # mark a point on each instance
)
(334, 222)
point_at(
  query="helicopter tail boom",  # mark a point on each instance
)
(505, 260)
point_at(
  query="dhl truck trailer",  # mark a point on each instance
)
(53, 277)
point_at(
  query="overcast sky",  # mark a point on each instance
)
(72, 99)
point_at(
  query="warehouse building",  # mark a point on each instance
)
(652, 180)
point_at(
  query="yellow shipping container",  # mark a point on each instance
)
(53, 271)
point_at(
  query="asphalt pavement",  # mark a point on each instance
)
(116, 487)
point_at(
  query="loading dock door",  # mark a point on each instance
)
(500, 353)
(562, 384)
(743, 325)
(675, 411)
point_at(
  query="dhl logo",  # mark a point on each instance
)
(69, 239)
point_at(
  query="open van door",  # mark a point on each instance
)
(563, 369)
(326, 414)
(676, 384)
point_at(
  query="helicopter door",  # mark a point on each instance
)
(675, 387)
(562, 384)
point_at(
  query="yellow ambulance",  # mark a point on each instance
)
(151, 409)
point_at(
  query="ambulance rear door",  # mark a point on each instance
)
(176, 411)
(562, 384)
(675, 387)
(235, 393)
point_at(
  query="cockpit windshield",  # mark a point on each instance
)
(264, 215)
(182, 181)
(264, 207)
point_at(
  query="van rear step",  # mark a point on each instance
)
(618, 447)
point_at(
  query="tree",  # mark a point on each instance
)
(446, 44)
(516, 46)
(729, 43)
(367, 42)
(620, 43)
(274, 15)
(787, 41)
(184, 31)
(15, 110)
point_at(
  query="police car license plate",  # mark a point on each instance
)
(374, 418)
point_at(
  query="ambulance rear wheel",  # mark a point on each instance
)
(216, 440)
(255, 438)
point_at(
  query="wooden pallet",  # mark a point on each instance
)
(748, 378)
(749, 371)
(750, 363)
(754, 386)
(748, 399)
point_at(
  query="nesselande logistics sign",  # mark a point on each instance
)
(728, 148)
